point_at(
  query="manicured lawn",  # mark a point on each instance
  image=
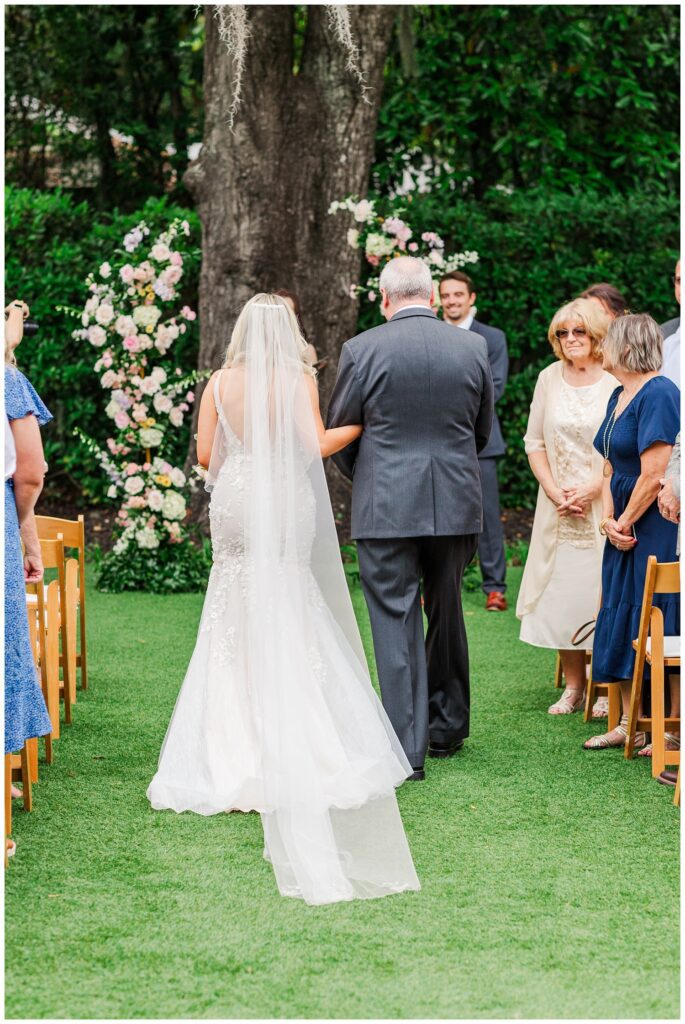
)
(550, 875)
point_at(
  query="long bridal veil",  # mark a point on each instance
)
(327, 760)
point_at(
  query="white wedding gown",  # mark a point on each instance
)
(277, 713)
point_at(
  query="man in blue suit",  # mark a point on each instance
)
(458, 300)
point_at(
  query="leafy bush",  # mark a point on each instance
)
(169, 569)
(52, 243)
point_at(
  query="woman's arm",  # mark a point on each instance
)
(28, 483)
(206, 423)
(333, 440)
(653, 463)
(16, 313)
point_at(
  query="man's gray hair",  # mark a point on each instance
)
(405, 277)
(635, 343)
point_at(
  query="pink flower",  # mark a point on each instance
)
(132, 469)
(190, 397)
(147, 466)
(188, 313)
(413, 246)
(126, 273)
(184, 407)
(372, 296)
(107, 359)
(176, 259)
(132, 344)
(122, 420)
(123, 513)
(182, 329)
(373, 260)
(109, 379)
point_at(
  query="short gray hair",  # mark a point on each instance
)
(635, 343)
(405, 277)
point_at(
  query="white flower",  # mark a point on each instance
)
(147, 538)
(160, 252)
(162, 403)
(178, 477)
(176, 417)
(134, 485)
(92, 304)
(109, 379)
(353, 238)
(159, 374)
(436, 258)
(379, 245)
(125, 326)
(121, 398)
(173, 505)
(155, 500)
(148, 385)
(96, 336)
(133, 239)
(363, 211)
(105, 270)
(104, 314)
(150, 437)
(112, 409)
(146, 316)
(112, 491)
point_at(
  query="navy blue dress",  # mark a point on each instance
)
(25, 713)
(652, 416)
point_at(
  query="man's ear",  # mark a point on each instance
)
(472, 297)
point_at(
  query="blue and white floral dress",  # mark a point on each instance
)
(25, 713)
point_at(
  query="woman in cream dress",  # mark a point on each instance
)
(561, 582)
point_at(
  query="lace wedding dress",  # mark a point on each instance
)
(277, 713)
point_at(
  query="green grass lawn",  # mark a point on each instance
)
(550, 875)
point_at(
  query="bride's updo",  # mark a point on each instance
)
(237, 348)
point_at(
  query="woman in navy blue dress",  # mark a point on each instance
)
(635, 439)
(25, 713)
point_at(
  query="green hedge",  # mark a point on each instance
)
(537, 250)
(52, 243)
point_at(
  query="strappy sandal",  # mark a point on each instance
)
(568, 703)
(603, 741)
(600, 708)
(672, 743)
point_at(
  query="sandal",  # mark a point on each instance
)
(17, 793)
(616, 738)
(570, 701)
(10, 848)
(672, 743)
(600, 708)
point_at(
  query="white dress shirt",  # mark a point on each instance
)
(671, 364)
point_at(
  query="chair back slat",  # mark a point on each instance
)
(72, 530)
(667, 578)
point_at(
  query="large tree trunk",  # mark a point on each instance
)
(263, 191)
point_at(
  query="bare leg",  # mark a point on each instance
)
(573, 664)
(617, 736)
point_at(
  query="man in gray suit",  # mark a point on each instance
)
(426, 406)
(671, 333)
(458, 298)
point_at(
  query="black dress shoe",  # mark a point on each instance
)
(445, 749)
(418, 776)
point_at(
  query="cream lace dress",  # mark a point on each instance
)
(561, 582)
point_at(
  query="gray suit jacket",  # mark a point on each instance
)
(498, 357)
(426, 405)
(670, 327)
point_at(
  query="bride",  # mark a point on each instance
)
(277, 713)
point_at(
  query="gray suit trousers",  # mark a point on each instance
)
(493, 562)
(424, 684)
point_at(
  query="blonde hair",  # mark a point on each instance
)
(593, 318)
(235, 353)
(635, 343)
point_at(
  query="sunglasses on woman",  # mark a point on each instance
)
(577, 332)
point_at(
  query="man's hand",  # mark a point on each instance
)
(668, 504)
(33, 566)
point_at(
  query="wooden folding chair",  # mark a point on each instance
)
(44, 629)
(676, 795)
(52, 552)
(660, 652)
(8, 800)
(24, 769)
(73, 533)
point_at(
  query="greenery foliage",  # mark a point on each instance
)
(562, 96)
(52, 244)
(168, 569)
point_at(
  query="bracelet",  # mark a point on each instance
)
(602, 525)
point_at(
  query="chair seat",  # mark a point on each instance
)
(671, 650)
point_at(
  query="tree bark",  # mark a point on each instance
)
(299, 141)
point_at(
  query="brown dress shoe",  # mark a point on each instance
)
(496, 602)
(668, 778)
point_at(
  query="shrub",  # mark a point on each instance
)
(52, 243)
(169, 569)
